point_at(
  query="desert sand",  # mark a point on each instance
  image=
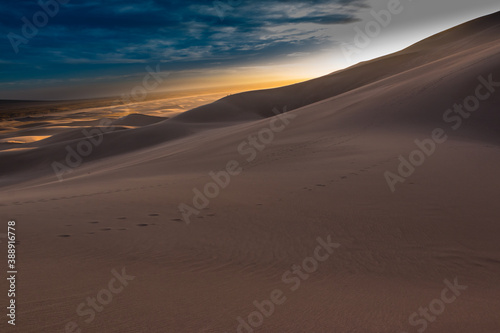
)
(321, 174)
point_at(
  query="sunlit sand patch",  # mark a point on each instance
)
(81, 118)
(24, 139)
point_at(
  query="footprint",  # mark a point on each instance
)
(343, 177)
(142, 225)
(177, 220)
(211, 214)
(121, 218)
(94, 222)
(320, 185)
(122, 229)
(154, 214)
(106, 229)
(63, 235)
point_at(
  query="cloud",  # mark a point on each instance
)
(155, 29)
(91, 37)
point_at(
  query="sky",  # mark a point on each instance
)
(71, 49)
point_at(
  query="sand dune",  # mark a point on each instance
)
(422, 60)
(322, 174)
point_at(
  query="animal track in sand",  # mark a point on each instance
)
(18, 203)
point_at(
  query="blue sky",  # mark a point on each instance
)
(109, 43)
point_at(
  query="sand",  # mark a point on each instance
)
(323, 174)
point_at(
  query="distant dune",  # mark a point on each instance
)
(319, 169)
